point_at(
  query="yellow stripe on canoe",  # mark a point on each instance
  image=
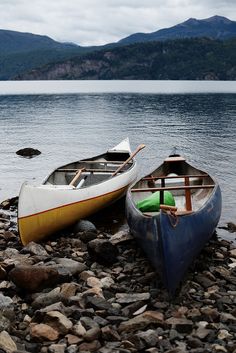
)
(38, 226)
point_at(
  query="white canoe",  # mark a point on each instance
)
(74, 191)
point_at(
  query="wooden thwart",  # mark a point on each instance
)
(176, 176)
(173, 188)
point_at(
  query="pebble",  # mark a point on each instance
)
(91, 291)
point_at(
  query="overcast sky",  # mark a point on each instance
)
(96, 22)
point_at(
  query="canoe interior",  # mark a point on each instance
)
(96, 170)
(175, 173)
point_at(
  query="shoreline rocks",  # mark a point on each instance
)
(98, 293)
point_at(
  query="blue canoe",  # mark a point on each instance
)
(173, 236)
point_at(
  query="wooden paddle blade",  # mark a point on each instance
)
(139, 148)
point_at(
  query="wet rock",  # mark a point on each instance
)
(103, 251)
(231, 227)
(7, 204)
(43, 332)
(28, 152)
(6, 343)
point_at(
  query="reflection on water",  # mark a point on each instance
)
(69, 127)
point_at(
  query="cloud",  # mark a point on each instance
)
(95, 22)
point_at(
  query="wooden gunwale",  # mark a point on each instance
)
(104, 162)
(89, 170)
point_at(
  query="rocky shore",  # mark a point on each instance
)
(92, 290)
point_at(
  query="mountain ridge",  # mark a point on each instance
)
(215, 27)
(22, 52)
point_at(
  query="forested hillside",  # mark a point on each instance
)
(186, 59)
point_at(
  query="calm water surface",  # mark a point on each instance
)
(70, 121)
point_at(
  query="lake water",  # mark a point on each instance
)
(70, 120)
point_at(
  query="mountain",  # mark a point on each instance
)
(18, 42)
(183, 59)
(22, 53)
(216, 27)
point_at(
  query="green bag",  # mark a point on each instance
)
(152, 202)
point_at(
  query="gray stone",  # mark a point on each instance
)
(125, 298)
(7, 343)
(92, 334)
(103, 251)
(34, 278)
(59, 322)
(35, 249)
(84, 226)
(180, 324)
(150, 337)
(46, 299)
(5, 302)
(57, 348)
(121, 237)
(4, 323)
(74, 267)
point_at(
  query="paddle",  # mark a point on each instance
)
(77, 175)
(139, 148)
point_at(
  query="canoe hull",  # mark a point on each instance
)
(171, 241)
(47, 208)
(171, 249)
(38, 226)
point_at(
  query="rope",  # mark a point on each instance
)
(174, 220)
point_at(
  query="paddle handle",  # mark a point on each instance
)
(73, 181)
(139, 148)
